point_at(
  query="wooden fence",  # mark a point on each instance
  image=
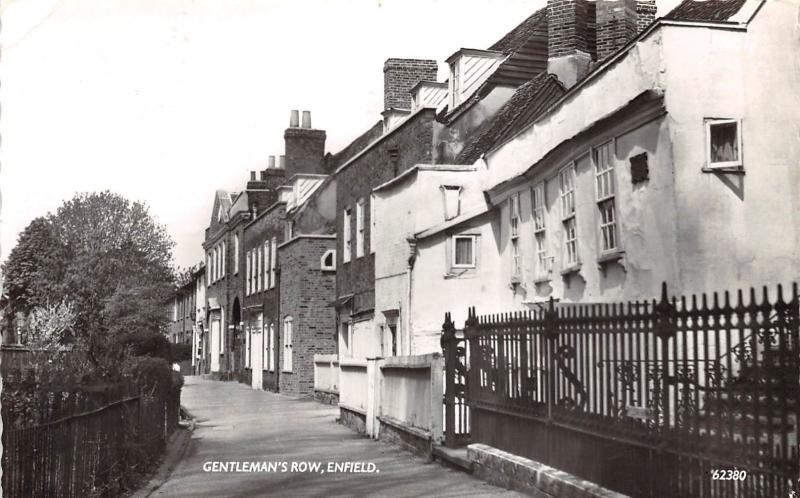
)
(84, 443)
(697, 397)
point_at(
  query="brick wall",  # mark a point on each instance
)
(616, 25)
(305, 294)
(412, 142)
(305, 151)
(645, 13)
(400, 75)
(262, 229)
(568, 27)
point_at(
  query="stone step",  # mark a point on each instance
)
(456, 457)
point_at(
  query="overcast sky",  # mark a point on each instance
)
(166, 101)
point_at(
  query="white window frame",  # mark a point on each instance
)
(372, 222)
(273, 254)
(360, 228)
(539, 223)
(606, 191)
(566, 185)
(260, 258)
(332, 266)
(474, 241)
(738, 164)
(224, 256)
(236, 254)
(288, 332)
(267, 261)
(247, 272)
(346, 237)
(514, 223)
(271, 352)
(248, 343)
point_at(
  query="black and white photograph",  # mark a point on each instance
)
(400, 248)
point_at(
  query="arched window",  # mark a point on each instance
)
(328, 260)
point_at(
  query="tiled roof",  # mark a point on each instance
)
(525, 48)
(517, 37)
(528, 103)
(333, 161)
(708, 10)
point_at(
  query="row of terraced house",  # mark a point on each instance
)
(591, 154)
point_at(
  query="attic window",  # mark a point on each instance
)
(452, 200)
(328, 260)
(723, 144)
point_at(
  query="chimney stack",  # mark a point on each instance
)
(570, 39)
(400, 76)
(305, 148)
(645, 14)
(271, 162)
(294, 119)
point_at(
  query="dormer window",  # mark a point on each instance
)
(469, 68)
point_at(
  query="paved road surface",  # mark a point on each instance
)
(236, 423)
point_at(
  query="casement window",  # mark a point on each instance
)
(215, 255)
(566, 180)
(603, 157)
(346, 236)
(464, 251)
(273, 263)
(236, 254)
(538, 212)
(248, 341)
(455, 78)
(452, 203)
(723, 143)
(224, 256)
(287, 344)
(514, 223)
(360, 228)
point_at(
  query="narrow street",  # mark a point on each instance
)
(235, 423)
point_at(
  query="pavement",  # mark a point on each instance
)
(237, 424)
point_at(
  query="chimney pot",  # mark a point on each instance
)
(271, 162)
(306, 119)
(252, 176)
(263, 175)
(294, 119)
(282, 162)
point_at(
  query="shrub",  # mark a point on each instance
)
(181, 352)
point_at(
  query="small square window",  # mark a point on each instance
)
(464, 251)
(723, 143)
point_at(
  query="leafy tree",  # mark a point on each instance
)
(109, 258)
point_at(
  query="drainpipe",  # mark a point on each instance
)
(412, 246)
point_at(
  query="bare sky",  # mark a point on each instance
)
(166, 101)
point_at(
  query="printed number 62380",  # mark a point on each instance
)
(728, 475)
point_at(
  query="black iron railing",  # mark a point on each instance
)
(647, 398)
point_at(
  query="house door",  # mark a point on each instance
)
(257, 359)
(214, 346)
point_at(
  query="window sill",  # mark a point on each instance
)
(736, 170)
(576, 268)
(544, 279)
(612, 257)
